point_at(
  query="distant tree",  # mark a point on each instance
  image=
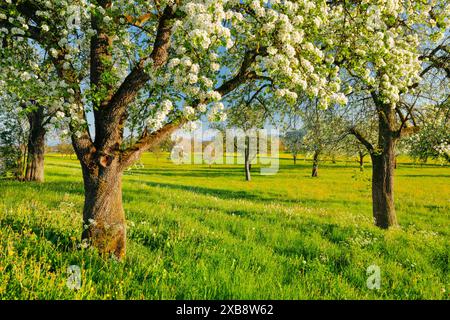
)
(293, 142)
(65, 149)
(166, 145)
(248, 114)
(324, 131)
(252, 119)
(355, 148)
(360, 117)
(28, 87)
(433, 139)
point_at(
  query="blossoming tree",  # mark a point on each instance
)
(387, 46)
(13, 139)
(176, 60)
(184, 56)
(433, 139)
(324, 131)
(24, 81)
(293, 140)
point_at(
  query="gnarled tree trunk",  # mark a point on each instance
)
(36, 147)
(103, 214)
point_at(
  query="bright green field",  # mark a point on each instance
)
(196, 232)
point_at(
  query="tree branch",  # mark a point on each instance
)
(243, 74)
(361, 139)
(148, 140)
(133, 83)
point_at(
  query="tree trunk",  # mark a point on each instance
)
(361, 161)
(315, 169)
(383, 163)
(103, 214)
(247, 172)
(383, 190)
(247, 164)
(36, 147)
(295, 159)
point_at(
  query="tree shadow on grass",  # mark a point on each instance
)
(189, 172)
(64, 177)
(436, 175)
(75, 166)
(67, 186)
(219, 193)
(226, 194)
(422, 165)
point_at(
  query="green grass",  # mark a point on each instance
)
(196, 232)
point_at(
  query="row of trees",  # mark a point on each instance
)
(333, 136)
(165, 63)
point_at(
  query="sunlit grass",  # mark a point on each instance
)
(203, 232)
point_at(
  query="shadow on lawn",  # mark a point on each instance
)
(200, 172)
(440, 175)
(62, 183)
(75, 166)
(61, 240)
(76, 188)
(226, 194)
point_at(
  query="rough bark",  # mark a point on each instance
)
(103, 214)
(383, 190)
(383, 163)
(103, 163)
(36, 147)
(315, 169)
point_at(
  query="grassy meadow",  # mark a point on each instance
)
(200, 232)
